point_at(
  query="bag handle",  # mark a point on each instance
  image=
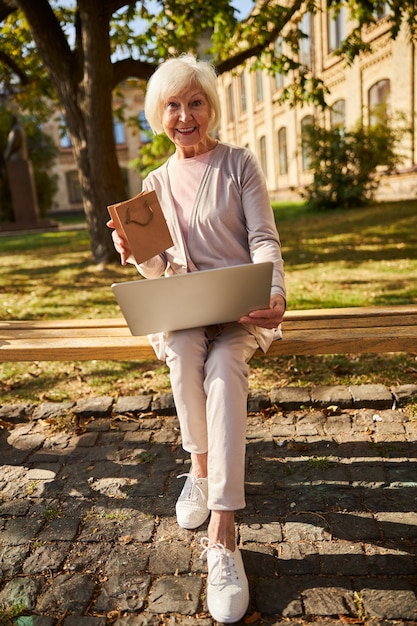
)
(129, 220)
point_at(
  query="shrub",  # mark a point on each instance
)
(345, 163)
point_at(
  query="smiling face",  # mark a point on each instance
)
(185, 119)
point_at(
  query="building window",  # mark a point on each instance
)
(259, 86)
(282, 151)
(305, 56)
(338, 113)
(242, 85)
(64, 138)
(262, 154)
(119, 132)
(308, 120)
(378, 100)
(279, 78)
(381, 11)
(73, 187)
(145, 129)
(230, 104)
(335, 29)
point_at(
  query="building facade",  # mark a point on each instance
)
(128, 139)
(254, 117)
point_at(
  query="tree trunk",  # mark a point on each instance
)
(83, 79)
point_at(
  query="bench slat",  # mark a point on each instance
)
(90, 346)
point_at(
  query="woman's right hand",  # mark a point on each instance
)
(120, 244)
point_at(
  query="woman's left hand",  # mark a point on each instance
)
(267, 318)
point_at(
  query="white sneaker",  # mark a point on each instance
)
(227, 585)
(191, 507)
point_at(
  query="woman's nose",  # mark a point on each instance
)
(184, 113)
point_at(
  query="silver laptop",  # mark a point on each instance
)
(194, 299)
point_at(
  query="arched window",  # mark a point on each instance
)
(335, 29)
(338, 113)
(283, 151)
(305, 49)
(242, 86)
(308, 120)
(230, 103)
(262, 154)
(73, 187)
(378, 100)
(145, 129)
(259, 86)
(279, 77)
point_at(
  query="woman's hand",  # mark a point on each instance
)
(120, 244)
(267, 318)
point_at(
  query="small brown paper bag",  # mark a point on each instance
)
(142, 224)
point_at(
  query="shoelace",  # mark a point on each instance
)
(224, 566)
(194, 486)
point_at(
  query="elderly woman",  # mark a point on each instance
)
(216, 204)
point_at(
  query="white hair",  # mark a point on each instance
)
(172, 77)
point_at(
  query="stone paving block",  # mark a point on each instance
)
(175, 594)
(132, 404)
(398, 525)
(336, 395)
(279, 596)
(52, 410)
(268, 532)
(146, 619)
(342, 558)
(163, 404)
(328, 597)
(15, 412)
(25, 442)
(258, 399)
(371, 396)
(387, 599)
(34, 620)
(296, 559)
(22, 592)
(123, 593)
(170, 557)
(67, 592)
(11, 559)
(290, 398)
(20, 531)
(356, 526)
(63, 528)
(81, 620)
(382, 559)
(259, 560)
(94, 407)
(46, 558)
(404, 393)
(87, 557)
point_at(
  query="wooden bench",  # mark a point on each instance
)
(319, 331)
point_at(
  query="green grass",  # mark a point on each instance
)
(361, 257)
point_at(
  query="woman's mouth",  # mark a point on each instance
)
(186, 131)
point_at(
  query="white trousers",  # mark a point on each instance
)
(209, 381)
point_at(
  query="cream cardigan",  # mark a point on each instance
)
(231, 223)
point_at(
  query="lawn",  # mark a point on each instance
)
(360, 257)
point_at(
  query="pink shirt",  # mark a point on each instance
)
(185, 176)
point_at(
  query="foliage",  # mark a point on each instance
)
(75, 54)
(42, 153)
(153, 154)
(345, 163)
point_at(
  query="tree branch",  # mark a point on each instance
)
(8, 61)
(128, 68)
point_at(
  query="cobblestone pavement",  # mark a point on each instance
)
(88, 535)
